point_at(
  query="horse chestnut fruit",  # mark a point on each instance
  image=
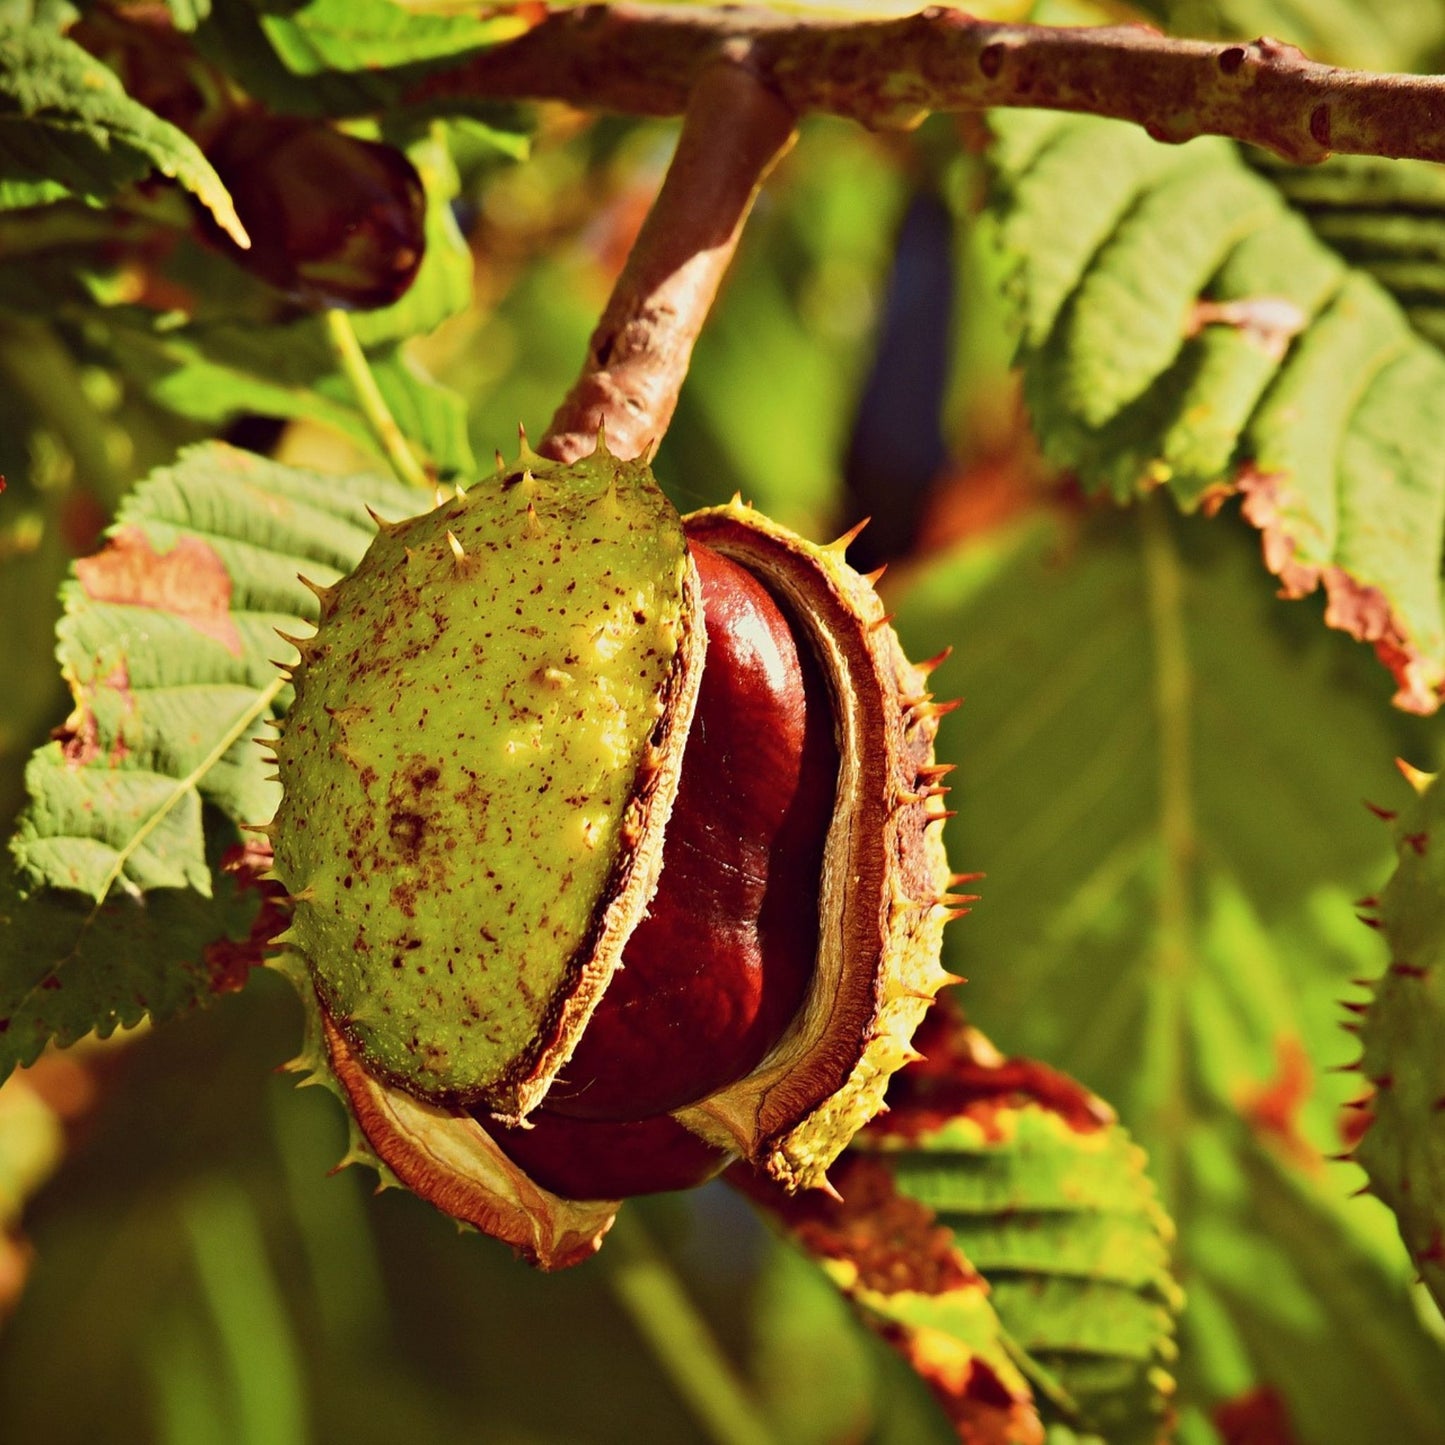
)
(334, 221)
(612, 849)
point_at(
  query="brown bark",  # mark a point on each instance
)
(638, 356)
(646, 60)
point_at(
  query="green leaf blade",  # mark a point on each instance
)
(128, 892)
(68, 128)
(1186, 961)
(1192, 331)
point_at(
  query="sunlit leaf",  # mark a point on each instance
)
(997, 1228)
(167, 644)
(67, 128)
(1181, 326)
(1168, 914)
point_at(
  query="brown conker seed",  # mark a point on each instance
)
(719, 965)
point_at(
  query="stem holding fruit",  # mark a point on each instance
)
(735, 131)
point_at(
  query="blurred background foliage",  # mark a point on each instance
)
(181, 1266)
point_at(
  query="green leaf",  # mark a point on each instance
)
(67, 128)
(214, 372)
(166, 643)
(997, 1228)
(909, 1280)
(332, 57)
(1168, 916)
(1402, 1070)
(1186, 328)
(1384, 217)
(329, 35)
(1048, 1199)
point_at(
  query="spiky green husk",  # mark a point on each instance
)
(477, 773)
(388, 671)
(1403, 1033)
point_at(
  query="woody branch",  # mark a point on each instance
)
(889, 74)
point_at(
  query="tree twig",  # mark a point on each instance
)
(638, 356)
(888, 74)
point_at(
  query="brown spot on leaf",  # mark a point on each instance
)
(962, 1076)
(79, 735)
(894, 1242)
(1273, 1109)
(1258, 1417)
(190, 581)
(229, 961)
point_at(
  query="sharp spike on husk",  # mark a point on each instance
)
(932, 664)
(937, 709)
(841, 544)
(525, 454)
(874, 577)
(1417, 778)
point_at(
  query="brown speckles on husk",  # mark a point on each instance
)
(489, 763)
(464, 880)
